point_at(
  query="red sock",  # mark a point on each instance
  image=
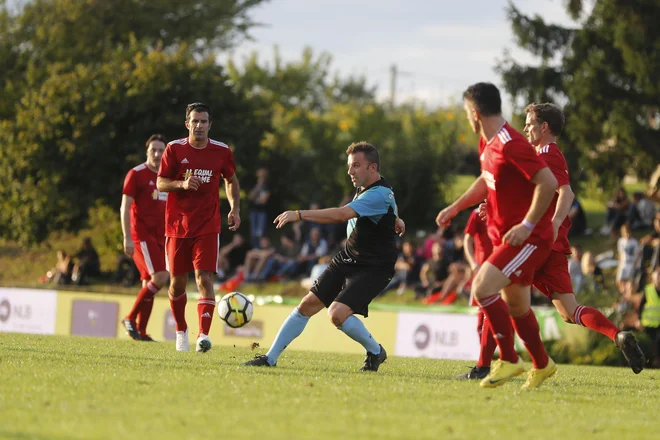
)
(145, 291)
(488, 344)
(205, 309)
(593, 319)
(497, 313)
(178, 306)
(147, 305)
(527, 328)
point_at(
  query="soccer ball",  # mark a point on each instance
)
(235, 309)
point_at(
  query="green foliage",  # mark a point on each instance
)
(607, 71)
(315, 116)
(87, 83)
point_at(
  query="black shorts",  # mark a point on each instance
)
(351, 283)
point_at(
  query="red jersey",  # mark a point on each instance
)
(557, 164)
(478, 229)
(148, 208)
(508, 163)
(194, 213)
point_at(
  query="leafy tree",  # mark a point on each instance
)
(607, 73)
(74, 138)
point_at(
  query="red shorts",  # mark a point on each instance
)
(196, 253)
(149, 256)
(520, 263)
(553, 275)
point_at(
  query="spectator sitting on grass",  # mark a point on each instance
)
(314, 248)
(578, 219)
(617, 212)
(61, 273)
(407, 268)
(231, 256)
(434, 273)
(641, 213)
(256, 259)
(87, 265)
(284, 262)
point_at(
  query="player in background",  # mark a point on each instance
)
(518, 187)
(191, 171)
(477, 249)
(359, 272)
(544, 122)
(143, 225)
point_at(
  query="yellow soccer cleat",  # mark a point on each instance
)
(501, 372)
(536, 376)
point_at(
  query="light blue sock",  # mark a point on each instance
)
(291, 328)
(356, 330)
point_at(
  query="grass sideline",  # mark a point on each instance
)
(80, 388)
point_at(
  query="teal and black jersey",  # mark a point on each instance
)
(371, 236)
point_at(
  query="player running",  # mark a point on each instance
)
(519, 188)
(143, 225)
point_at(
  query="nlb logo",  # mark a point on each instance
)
(19, 311)
(424, 337)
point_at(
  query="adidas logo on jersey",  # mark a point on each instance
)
(518, 272)
(206, 315)
(185, 160)
(151, 182)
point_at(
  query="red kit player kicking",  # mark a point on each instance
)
(143, 224)
(519, 188)
(191, 171)
(544, 122)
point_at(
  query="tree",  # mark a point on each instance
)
(607, 72)
(87, 81)
(315, 116)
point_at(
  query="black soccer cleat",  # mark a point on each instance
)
(628, 345)
(373, 361)
(259, 361)
(475, 372)
(131, 329)
(147, 338)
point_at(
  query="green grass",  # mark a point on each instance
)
(82, 388)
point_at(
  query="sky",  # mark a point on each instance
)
(439, 47)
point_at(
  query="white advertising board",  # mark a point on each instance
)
(28, 310)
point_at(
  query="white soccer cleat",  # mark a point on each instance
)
(182, 343)
(203, 344)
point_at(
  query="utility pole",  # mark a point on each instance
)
(393, 75)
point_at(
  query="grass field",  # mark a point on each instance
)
(86, 388)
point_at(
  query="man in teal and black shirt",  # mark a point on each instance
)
(360, 271)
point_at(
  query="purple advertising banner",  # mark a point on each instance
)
(94, 318)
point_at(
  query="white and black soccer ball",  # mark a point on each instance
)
(235, 309)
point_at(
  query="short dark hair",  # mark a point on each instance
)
(548, 113)
(155, 137)
(369, 151)
(485, 97)
(199, 107)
